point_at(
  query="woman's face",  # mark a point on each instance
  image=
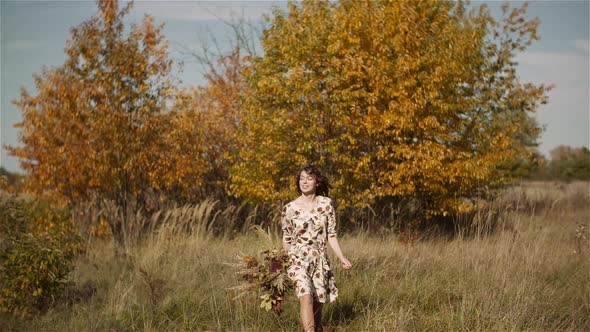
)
(307, 183)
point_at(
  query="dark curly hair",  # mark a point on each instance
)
(323, 185)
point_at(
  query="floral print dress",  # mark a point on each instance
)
(307, 233)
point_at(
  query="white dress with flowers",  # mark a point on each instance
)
(307, 233)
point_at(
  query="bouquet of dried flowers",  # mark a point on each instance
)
(265, 274)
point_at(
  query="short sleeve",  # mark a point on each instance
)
(331, 213)
(286, 226)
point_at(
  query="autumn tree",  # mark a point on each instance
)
(211, 116)
(95, 126)
(392, 99)
(527, 166)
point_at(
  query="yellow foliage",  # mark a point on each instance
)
(390, 98)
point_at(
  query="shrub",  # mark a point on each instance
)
(33, 275)
(37, 246)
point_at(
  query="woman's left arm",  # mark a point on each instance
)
(332, 237)
(333, 241)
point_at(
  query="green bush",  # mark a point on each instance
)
(38, 243)
(33, 276)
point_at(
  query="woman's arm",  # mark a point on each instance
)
(332, 237)
(287, 227)
(286, 246)
(333, 241)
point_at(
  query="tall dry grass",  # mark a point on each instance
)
(530, 271)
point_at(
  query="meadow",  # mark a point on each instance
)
(528, 272)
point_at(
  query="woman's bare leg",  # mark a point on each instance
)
(306, 312)
(317, 316)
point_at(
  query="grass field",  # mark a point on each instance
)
(531, 273)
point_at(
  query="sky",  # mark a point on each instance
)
(33, 34)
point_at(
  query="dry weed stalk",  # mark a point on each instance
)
(581, 240)
(408, 238)
(156, 287)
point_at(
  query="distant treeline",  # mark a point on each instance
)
(11, 181)
(566, 163)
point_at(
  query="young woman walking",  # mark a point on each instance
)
(308, 223)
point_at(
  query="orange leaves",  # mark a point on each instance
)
(94, 126)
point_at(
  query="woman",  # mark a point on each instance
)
(308, 222)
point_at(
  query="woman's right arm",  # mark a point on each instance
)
(287, 227)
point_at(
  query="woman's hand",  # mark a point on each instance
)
(333, 241)
(346, 264)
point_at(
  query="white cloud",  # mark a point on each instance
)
(564, 69)
(582, 45)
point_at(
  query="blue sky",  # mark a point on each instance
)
(34, 34)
